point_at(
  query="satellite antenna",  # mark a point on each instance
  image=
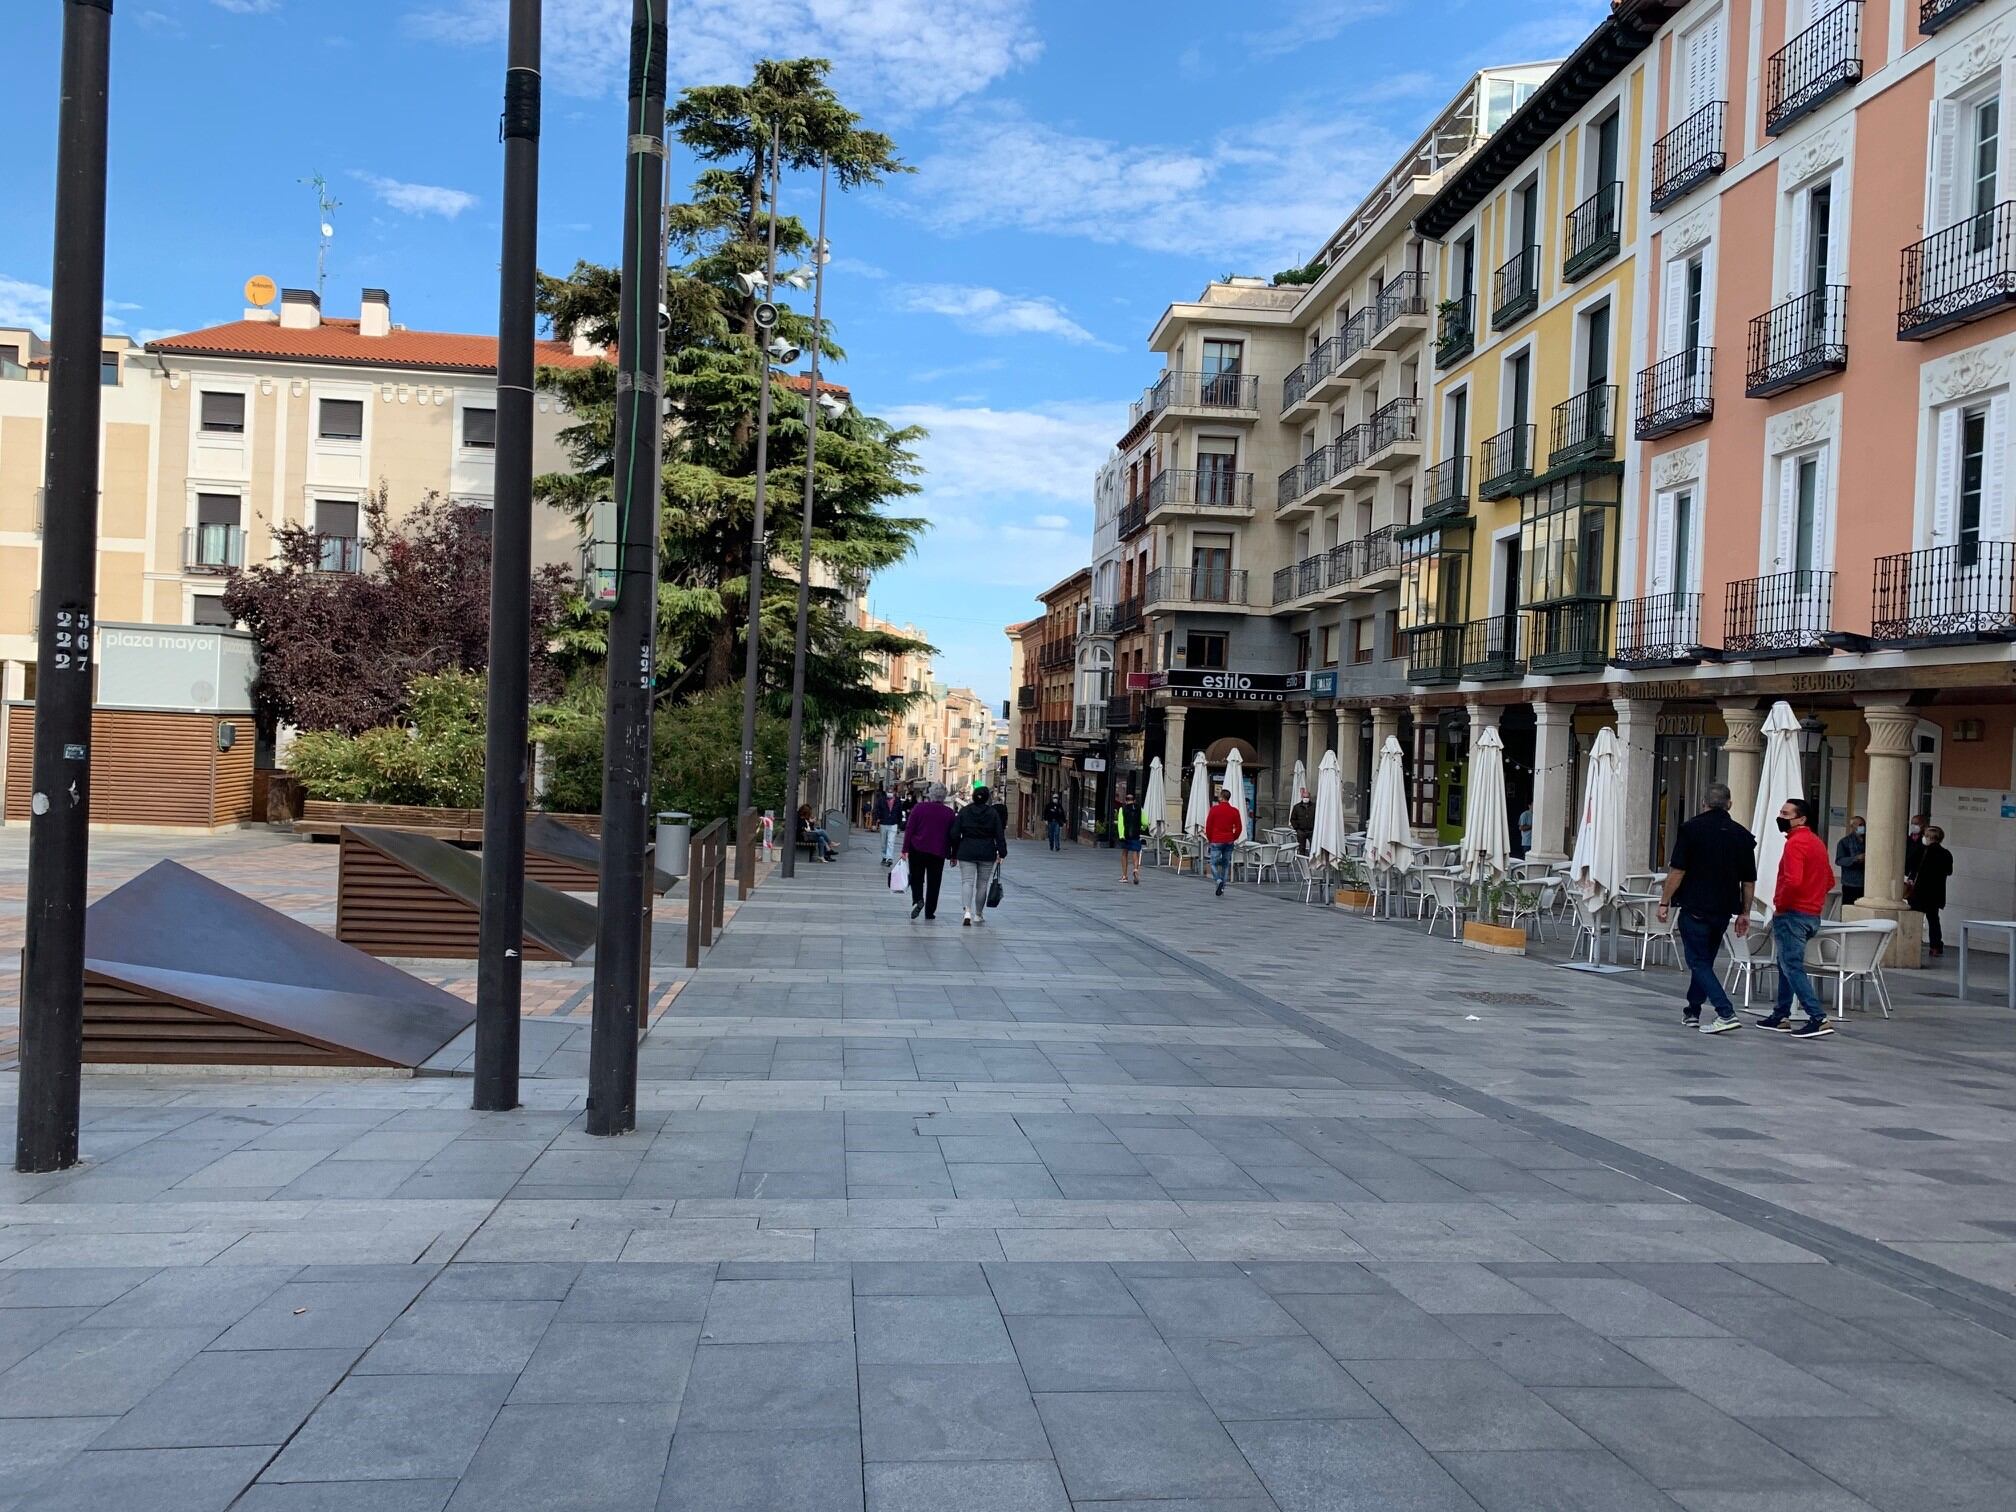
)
(328, 206)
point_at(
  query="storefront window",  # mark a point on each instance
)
(1565, 540)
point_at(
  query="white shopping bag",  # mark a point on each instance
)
(899, 876)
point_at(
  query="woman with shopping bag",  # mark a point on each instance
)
(979, 845)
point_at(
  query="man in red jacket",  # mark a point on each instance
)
(1804, 877)
(1222, 827)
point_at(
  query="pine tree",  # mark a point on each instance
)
(711, 387)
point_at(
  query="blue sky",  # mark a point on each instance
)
(1081, 164)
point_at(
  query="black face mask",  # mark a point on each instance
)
(1784, 825)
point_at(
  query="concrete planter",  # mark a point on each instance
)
(1495, 938)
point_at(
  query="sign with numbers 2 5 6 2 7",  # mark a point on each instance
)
(72, 648)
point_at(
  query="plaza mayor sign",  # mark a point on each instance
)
(1238, 687)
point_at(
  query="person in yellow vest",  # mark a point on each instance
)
(1129, 830)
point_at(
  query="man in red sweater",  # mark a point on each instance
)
(1804, 877)
(1222, 828)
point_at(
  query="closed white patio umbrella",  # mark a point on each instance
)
(1389, 836)
(1299, 783)
(1197, 807)
(1778, 781)
(1235, 780)
(1155, 801)
(1326, 843)
(1486, 850)
(1596, 870)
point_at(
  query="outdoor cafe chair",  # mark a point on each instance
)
(1852, 953)
(1263, 857)
(1531, 898)
(1749, 955)
(1588, 926)
(1445, 895)
(1640, 917)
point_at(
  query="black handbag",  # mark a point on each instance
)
(994, 891)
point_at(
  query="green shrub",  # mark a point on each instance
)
(696, 749)
(436, 762)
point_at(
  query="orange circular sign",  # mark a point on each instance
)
(261, 290)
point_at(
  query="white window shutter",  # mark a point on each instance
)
(1942, 206)
(1795, 262)
(1822, 560)
(1946, 478)
(1702, 377)
(2005, 171)
(1785, 547)
(1995, 517)
(1673, 307)
(1837, 226)
(1702, 58)
(1662, 544)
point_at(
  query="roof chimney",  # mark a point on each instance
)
(375, 319)
(300, 309)
(583, 347)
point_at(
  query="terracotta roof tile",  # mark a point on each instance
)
(340, 341)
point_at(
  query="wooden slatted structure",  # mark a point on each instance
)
(148, 767)
(323, 819)
(404, 894)
(568, 857)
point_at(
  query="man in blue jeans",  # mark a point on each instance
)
(1713, 875)
(1053, 821)
(1223, 825)
(1804, 878)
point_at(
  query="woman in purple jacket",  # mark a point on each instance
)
(925, 842)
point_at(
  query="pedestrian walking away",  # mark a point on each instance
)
(1130, 831)
(1849, 854)
(927, 841)
(1302, 819)
(1713, 877)
(1804, 878)
(810, 833)
(1053, 821)
(979, 845)
(1914, 843)
(888, 818)
(1223, 826)
(1926, 888)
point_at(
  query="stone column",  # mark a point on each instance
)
(1892, 727)
(1175, 761)
(1636, 720)
(1318, 727)
(13, 681)
(1553, 779)
(1354, 780)
(1744, 746)
(1284, 772)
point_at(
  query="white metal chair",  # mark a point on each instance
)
(1530, 898)
(1852, 953)
(1445, 896)
(1588, 926)
(1748, 955)
(1640, 917)
(1265, 857)
(1643, 882)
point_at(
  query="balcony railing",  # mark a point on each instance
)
(1098, 622)
(1088, 721)
(1689, 155)
(1783, 614)
(1445, 489)
(1284, 586)
(1946, 595)
(1584, 427)
(1660, 630)
(1515, 288)
(1491, 649)
(1203, 488)
(1394, 421)
(1405, 294)
(1123, 711)
(1317, 468)
(1308, 575)
(1571, 637)
(1802, 339)
(1595, 229)
(1456, 330)
(1676, 393)
(1127, 615)
(1963, 273)
(1294, 386)
(1133, 517)
(1350, 449)
(1025, 697)
(1378, 552)
(1341, 563)
(1354, 335)
(1504, 462)
(1813, 67)
(1056, 653)
(1052, 732)
(1232, 393)
(1183, 585)
(212, 548)
(1933, 14)
(1288, 486)
(1435, 655)
(340, 554)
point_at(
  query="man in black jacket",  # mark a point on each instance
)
(1053, 820)
(1713, 878)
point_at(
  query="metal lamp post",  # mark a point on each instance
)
(757, 535)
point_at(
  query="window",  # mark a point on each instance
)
(1596, 346)
(1223, 356)
(108, 369)
(1361, 640)
(1605, 155)
(336, 523)
(1210, 567)
(1329, 645)
(1808, 507)
(1204, 650)
(1392, 633)
(215, 542)
(1816, 252)
(1529, 229)
(222, 414)
(1987, 149)
(1969, 503)
(1564, 540)
(1519, 381)
(479, 429)
(10, 354)
(208, 609)
(1501, 98)
(1302, 651)
(342, 420)
(1973, 457)
(1466, 264)
(1700, 74)
(1459, 421)
(1217, 469)
(1673, 542)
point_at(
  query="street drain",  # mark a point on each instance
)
(1506, 999)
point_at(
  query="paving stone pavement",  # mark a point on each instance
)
(1131, 1199)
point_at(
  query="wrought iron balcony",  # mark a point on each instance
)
(1133, 517)
(1288, 486)
(1690, 154)
(1947, 595)
(1308, 575)
(1340, 563)
(1284, 586)
(1813, 67)
(1584, 427)
(1123, 711)
(1570, 637)
(1491, 649)
(1435, 655)
(1800, 340)
(1127, 615)
(1052, 732)
(1294, 386)
(1183, 585)
(1966, 272)
(1515, 288)
(1456, 330)
(1782, 614)
(1220, 393)
(1676, 393)
(1660, 630)
(1025, 697)
(1394, 422)
(1056, 653)
(1353, 335)
(1098, 622)
(1504, 462)
(1200, 488)
(1404, 294)
(1378, 552)
(1445, 489)
(1595, 230)
(212, 549)
(1317, 468)
(1088, 721)
(1319, 368)
(1933, 14)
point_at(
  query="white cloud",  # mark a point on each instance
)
(903, 55)
(993, 312)
(27, 304)
(154, 333)
(1267, 191)
(1051, 522)
(1312, 21)
(418, 199)
(248, 7)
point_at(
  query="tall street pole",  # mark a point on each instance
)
(52, 968)
(791, 768)
(620, 946)
(502, 930)
(757, 549)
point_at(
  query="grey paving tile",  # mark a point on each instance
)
(763, 1472)
(919, 1278)
(1936, 1400)
(1361, 1465)
(779, 1312)
(30, 1448)
(1465, 1404)
(1552, 1351)
(1895, 1467)
(1000, 1486)
(639, 1291)
(1676, 1440)
(322, 1315)
(83, 1286)
(93, 1372)
(1226, 1307)
(1795, 1332)
(1289, 1276)
(460, 1338)
(795, 1388)
(393, 1428)
(1458, 1288)
(1744, 1380)
(232, 1397)
(1094, 1354)
(948, 1412)
(1270, 1378)
(348, 1496)
(575, 1458)
(504, 1281)
(579, 1362)
(185, 1296)
(1620, 1309)
(160, 1480)
(1143, 1446)
(1554, 1480)
(1060, 1288)
(1832, 1499)
(1359, 1326)
(930, 1331)
(23, 1330)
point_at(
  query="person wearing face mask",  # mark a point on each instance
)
(1927, 889)
(1914, 844)
(1804, 878)
(1848, 857)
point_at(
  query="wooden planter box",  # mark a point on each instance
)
(1495, 938)
(323, 819)
(1353, 897)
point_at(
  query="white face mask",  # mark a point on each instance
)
(1914, 829)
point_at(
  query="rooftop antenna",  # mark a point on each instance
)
(328, 206)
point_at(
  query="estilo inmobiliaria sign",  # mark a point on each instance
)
(1233, 687)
